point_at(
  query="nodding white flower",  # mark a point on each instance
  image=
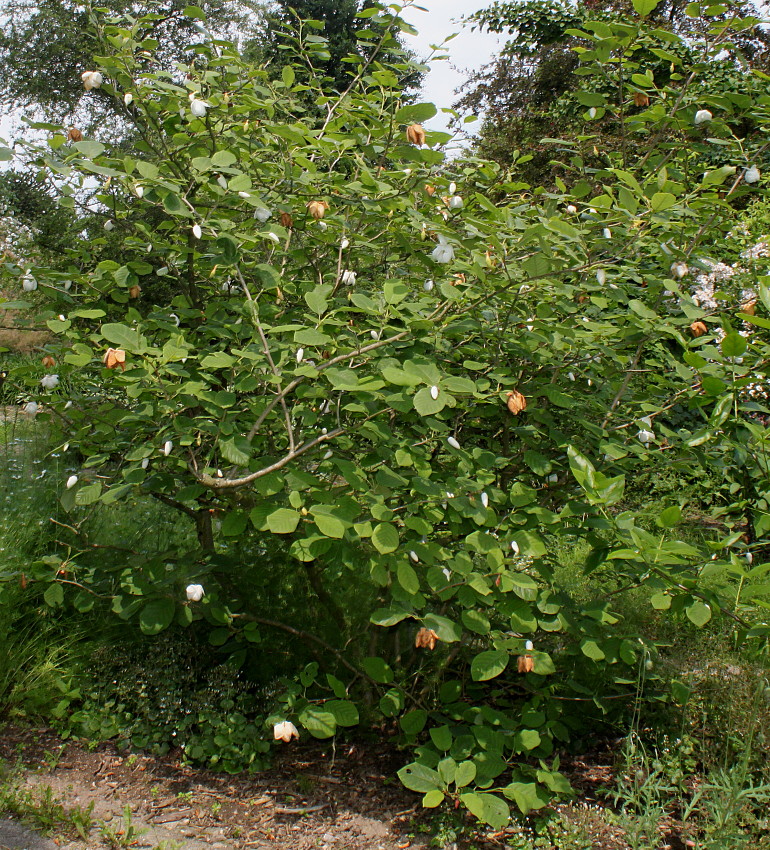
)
(91, 80)
(28, 282)
(607, 233)
(328, 454)
(198, 107)
(702, 116)
(345, 243)
(145, 462)
(592, 112)
(571, 376)
(374, 334)
(244, 195)
(128, 98)
(453, 443)
(285, 731)
(194, 592)
(322, 225)
(679, 269)
(646, 420)
(273, 237)
(221, 180)
(456, 203)
(601, 277)
(434, 392)
(71, 482)
(139, 191)
(197, 232)
(173, 316)
(645, 436)
(348, 278)
(749, 558)
(428, 285)
(220, 474)
(452, 188)
(262, 214)
(67, 406)
(553, 478)
(515, 547)
(148, 248)
(300, 354)
(571, 208)
(413, 556)
(109, 225)
(529, 646)
(751, 175)
(447, 573)
(67, 285)
(49, 382)
(31, 408)
(443, 252)
(167, 446)
(590, 382)
(485, 500)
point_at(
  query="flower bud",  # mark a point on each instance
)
(134, 291)
(702, 116)
(526, 664)
(453, 442)
(641, 99)
(194, 592)
(434, 392)
(71, 482)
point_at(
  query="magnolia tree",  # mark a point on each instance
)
(412, 376)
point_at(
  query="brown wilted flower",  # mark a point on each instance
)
(415, 135)
(641, 99)
(516, 402)
(526, 664)
(431, 190)
(74, 135)
(459, 278)
(698, 328)
(286, 220)
(426, 638)
(317, 209)
(48, 361)
(749, 307)
(23, 581)
(491, 261)
(114, 357)
(134, 291)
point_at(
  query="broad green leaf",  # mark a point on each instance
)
(699, 613)
(156, 616)
(319, 722)
(283, 521)
(385, 538)
(489, 664)
(378, 669)
(418, 777)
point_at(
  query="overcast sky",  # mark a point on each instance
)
(469, 51)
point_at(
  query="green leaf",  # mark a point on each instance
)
(156, 615)
(486, 665)
(388, 616)
(660, 601)
(319, 722)
(418, 777)
(344, 711)
(465, 773)
(432, 799)
(488, 809)
(89, 149)
(407, 578)
(415, 113)
(377, 669)
(733, 345)
(669, 517)
(287, 75)
(529, 739)
(413, 721)
(426, 405)
(283, 521)
(123, 337)
(385, 538)
(698, 613)
(54, 595)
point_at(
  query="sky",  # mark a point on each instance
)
(469, 51)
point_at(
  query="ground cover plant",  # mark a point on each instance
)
(392, 389)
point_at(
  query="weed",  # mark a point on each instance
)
(122, 834)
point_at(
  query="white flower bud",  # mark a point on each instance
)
(197, 232)
(109, 225)
(601, 277)
(456, 203)
(300, 354)
(592, 112)
(244, 195)
(428, 285)
(453, 442)
(514, 547)
(434, 392)
(71, 482)
(273, 237)
(262, 214)
(128, 98)
(194, 592)
(752, 175)
(145, 462)
(572, 209)
(484, 500)
(31, 408)
(413, 556)
(167, 446)
(49, 382)
(452, 188)
(198, 107)
(702, 116)
(529, 646)
(345, 243)
(607, 233)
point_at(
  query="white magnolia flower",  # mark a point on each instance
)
(453, 443)
(300, 355)
(28, 282)
(31, 408)
(139, 191)
(262, 214)
(434, 392)
(428, 285)
(374, 334)
(348, 278)
(91, 80)
(529, 646)
(273, 237)
(67, 406)
(197, 232)
(109, 225)
(413, 556)
(646, 420)
(128, 98)
(328, 454)
(645, 436)
(571, 208)
(322, 225)
(222, 181)
(679, 269)
(194, 592)
(443, 252)
(145, 462)
(553, 478)
(607, 233)
(345, 243)
(67, 285)
(456, 203)
(752, 175)
(244, 195)
(71, 482)
(447, 573)
(601, 277)
(749, 558)
(592, 112)
(452, 188)
(515, 547)
(571, 376)
(49, 382)
(198, 107)
(167, 446)
(485, 500)
(285, 731)
(702, 116)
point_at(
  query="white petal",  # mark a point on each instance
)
(515, 547)
(485, 500)
(244, 195)
(167, 446)
(128, 98)
(601, 277)
(145, 462)
(300, 354)
(529, 646)
(71, 482)
(428, 285)
(344, 244)
(413, 555)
